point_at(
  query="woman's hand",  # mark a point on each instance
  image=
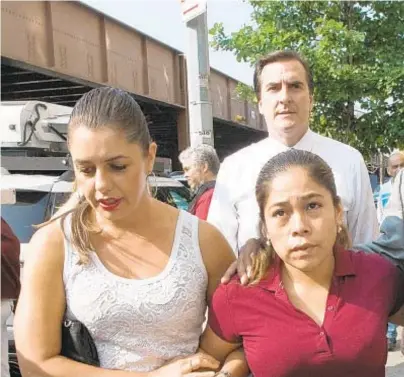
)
(192, 366)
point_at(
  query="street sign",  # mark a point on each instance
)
(192, 8)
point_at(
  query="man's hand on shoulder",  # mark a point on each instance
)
(243, 265)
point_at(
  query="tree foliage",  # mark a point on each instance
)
(356, 53)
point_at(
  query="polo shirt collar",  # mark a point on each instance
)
(272, 281)
(343, 267)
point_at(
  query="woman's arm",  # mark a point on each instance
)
(231, 355)
(40, 311)
(218, 255)
(39, 316)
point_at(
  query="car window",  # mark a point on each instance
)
(163, 195)
(56, 201)
(29, 210)
(178, 197)
(181, 197)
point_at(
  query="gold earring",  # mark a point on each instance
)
(339, 229)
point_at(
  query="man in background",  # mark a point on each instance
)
(394, 164)
(201, 165)
(284, 88)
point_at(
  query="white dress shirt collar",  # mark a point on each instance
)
(306, 143)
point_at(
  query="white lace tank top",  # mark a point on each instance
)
(139, 325)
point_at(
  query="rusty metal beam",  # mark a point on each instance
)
(72, 41)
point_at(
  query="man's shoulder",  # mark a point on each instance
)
(340, 156)
(207, 195)
(248, 151)
(333, 145)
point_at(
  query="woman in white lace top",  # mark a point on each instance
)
(138, 273)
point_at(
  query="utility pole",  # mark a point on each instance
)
(198, 72)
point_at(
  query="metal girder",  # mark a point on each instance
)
(22, 163)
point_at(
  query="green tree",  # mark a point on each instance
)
(356, 52)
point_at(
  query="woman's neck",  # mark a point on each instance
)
(320, 275)
(137, 222)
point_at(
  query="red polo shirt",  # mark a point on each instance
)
(281, 341)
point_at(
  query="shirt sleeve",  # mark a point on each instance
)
(398, 292)
(220, 317)
(362, 218)
(390, 243)
(222, 212)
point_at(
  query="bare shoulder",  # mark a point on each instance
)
(211, 240)
(45, 248)
(216, 251)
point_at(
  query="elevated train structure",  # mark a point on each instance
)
(56, 51)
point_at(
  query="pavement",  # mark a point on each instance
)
(395, 361)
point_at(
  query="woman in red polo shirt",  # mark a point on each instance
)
(313, 309)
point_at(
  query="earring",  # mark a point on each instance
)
(268, 243)
(148, 184)
(80, 196)
(339, 229)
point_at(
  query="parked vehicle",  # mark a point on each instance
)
(37, 198)
(179, 176)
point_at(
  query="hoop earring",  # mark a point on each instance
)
(148, 184)
(80, 196)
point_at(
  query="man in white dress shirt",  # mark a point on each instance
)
(284, 88)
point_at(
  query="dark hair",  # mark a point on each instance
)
(113, 108)
(280, 56)
(318, 170)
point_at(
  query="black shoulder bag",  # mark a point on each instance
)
(77, 343)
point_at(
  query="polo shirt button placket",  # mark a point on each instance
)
(323, 346)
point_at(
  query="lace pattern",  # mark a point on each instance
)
(139, 325)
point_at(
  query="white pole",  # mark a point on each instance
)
(198, 70)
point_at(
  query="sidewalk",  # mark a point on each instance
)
(395, 362)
